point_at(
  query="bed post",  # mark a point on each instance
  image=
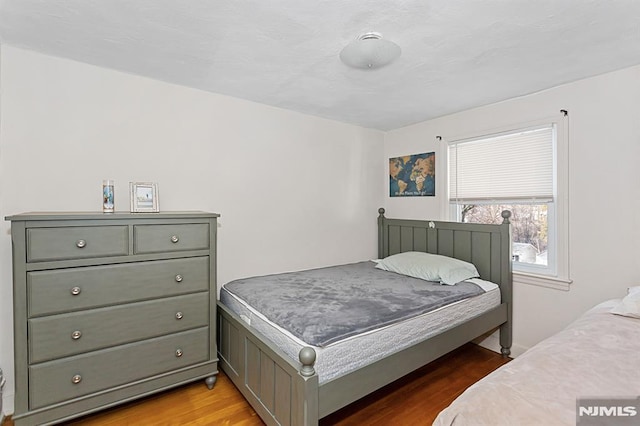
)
(309, 404)
(506, 329)
(307, 357)
(381, 219)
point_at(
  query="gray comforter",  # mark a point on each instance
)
(323, 306)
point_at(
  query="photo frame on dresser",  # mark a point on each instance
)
(144, 197)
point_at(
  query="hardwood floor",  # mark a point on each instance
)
(415, 399)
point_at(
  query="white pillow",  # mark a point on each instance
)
(430, 267)
(633, 290)
(630, 305)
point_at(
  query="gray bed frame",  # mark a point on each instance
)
(284, 391)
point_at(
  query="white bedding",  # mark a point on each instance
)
(597, 356)
(354, 352)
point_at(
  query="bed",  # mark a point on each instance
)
(594, 359)
(292, 385)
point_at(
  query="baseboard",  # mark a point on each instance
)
(6, 407)
(517, 350)
(492, 342)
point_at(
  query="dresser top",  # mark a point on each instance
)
(107, 216)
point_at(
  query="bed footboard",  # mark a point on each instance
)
(281, 391)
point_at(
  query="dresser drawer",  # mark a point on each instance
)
(54, 291)
(53, 381)
(46, 244)
(62, 335)
(165, 238)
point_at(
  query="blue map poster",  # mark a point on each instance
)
(413, 175)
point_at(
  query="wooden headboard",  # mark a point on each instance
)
(488, 247)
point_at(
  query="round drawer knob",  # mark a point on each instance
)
(81, 243)
(179, 353)
(75, 291)
(178, 278)
(76, 335)
(175, 239)
(76, 379)
(179, 315)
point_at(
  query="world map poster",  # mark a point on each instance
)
(413, 175)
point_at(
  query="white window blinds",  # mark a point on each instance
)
(511, 166)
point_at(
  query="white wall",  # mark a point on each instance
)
(294, 191)
(604, 194)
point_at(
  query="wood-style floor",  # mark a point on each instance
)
(415, 399)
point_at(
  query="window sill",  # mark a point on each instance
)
(542, 281)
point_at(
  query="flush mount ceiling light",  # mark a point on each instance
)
(370, 51)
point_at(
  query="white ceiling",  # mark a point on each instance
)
(456, 54)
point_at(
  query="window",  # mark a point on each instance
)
(514, 170)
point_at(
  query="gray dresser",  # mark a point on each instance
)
(109, 308)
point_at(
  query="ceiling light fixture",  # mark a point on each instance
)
(370, 51)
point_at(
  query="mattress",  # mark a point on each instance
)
(351, 353)
(325, 305)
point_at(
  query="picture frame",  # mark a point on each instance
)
(413, 175)
(144, 197)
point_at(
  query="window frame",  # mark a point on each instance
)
(556, 273)
(550, 269)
